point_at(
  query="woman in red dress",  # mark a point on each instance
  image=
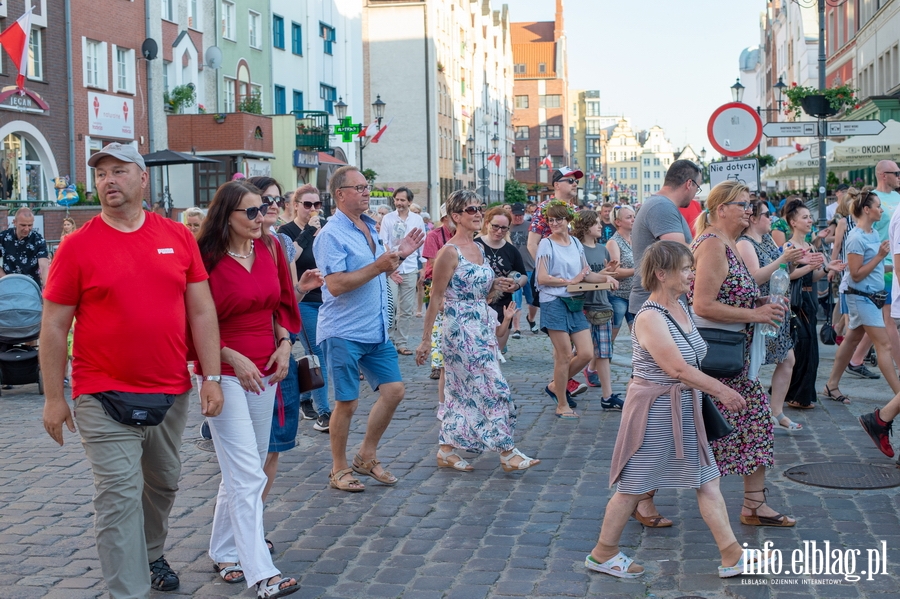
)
(254, 297)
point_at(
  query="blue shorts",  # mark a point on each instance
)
(844, 308)
(346, 359)
(620, 311)
(863, 312)
(601, 335)
(524, 292)
(556, 317)
(889, 287)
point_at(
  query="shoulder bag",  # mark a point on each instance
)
(715, 425)
(309, 371)
(725, 358)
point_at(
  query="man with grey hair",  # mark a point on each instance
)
(353, 324)
(23, 249)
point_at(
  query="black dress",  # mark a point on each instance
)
(806, 344)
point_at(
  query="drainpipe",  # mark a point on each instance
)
(150, 136)
(70, 90)
(432, 209)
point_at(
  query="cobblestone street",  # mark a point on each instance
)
(440, 533)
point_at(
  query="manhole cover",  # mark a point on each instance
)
(845, 475)
(206, 445)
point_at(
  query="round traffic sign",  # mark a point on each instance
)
(734, 129)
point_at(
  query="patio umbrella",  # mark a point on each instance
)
(167, 157)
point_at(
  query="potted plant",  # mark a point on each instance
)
(179, 98)
(251, 104)
(220, 117)
(820, 103)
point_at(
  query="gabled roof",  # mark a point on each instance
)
(539, 31)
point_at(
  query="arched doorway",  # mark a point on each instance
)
(22, 176)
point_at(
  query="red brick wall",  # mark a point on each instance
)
(528, 117)
(202, 133)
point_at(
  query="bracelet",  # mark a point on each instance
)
(288, 339)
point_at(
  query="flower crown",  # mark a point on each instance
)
(569, 210)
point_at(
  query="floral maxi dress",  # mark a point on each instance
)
(479, 414)
(751, 445)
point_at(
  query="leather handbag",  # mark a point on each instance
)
(713, 422)
(309, 371)
(725, 356)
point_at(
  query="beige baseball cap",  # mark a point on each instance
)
(123, 152)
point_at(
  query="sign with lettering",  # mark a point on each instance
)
(258, 168)
(22, 100)
(347, 129)
(306, 159)
(798, 129)
(840, 128)
(742, 171)
(110, 116)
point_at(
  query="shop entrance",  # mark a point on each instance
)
(22, 177)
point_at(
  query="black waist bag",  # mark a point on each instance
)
(136, 409)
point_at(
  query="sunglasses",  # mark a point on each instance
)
(311, 205)
(499, 227)
(277, 200)
(569, 180)
(254, 211)
(470, 210)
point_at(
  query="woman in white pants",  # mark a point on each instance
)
(251, 286)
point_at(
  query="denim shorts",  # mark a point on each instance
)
(863, 312)
(620, 311)
(346, 359)
(556, 317)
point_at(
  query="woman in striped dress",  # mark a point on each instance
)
(662, 442)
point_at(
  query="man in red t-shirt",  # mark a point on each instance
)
(690, 214)
(134, 281)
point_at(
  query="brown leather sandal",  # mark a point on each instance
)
(754, 519)
(351, 485)
(656, 521)
(368, 469)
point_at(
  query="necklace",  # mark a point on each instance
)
(240, 256)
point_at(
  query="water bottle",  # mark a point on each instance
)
(779, 285)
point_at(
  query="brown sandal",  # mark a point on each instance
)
(798, 406)
(351, 485)
(754, 519)
(367, 469)
(656, 521)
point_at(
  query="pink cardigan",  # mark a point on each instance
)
(641, 395)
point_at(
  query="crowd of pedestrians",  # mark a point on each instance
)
(232, 291)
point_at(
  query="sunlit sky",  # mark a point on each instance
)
(661, 62)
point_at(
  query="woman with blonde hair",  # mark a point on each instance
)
(193, 220)
(725, 296)
(68, 227)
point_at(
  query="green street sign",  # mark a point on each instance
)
(347, 129)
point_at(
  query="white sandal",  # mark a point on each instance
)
(790, 427)
(620, 561)
(523, 465)
(443, 461)
(738, 568)
(264, 590)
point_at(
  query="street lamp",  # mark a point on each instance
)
(737, 91)
(378, 110)
(340, 109)
(495, 143)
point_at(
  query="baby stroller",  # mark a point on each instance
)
(20, 323)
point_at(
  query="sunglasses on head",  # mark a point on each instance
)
(311, 205)
(473, 209)
(277, 200)
(253, 211)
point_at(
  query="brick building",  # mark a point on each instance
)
(34, 140)
(541, 106)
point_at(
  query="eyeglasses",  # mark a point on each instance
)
(697, 185)
(358, 188)
(277, 200)
(470, 210)
(767, 214)
(553, 221)
(743, 205)
(569, 180)
(311, 205)
(253, 211)
(499, 227)
(895, 173)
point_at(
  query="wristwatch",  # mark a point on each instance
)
(213, 378)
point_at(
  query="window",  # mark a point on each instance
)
(519, 69)
(549, 101)
(228, 96)
(656, 187)
(329, 95)
(594, 164)
(166, 66)
(326, 32)
(35, 55)
(94, 64)
(656, 175)
(634, 174)
(647, 188)
(592, 128)
(593, 146)
(522, 132)
(278, 32)
(298, 101)
(551, 131)
(521, 101)
(228, 20)
(613, 173)
(167, 10)
(296, 39)
(542, 67)
(255, 34)
(280, 100)
(193, 14)
(646, 162)
(556, 161)
(656, 162)
(211, 175)
(523, 163)
(124, 70)
(592, 109)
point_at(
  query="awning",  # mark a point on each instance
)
(793, 166)
(863, 151)
(325, 157)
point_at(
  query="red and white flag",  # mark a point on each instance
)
(381, 131)
(546, 161)
(369, 131)
(15, 41)
(496, 158)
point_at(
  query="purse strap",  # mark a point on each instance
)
(665, 313)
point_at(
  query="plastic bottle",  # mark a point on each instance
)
(779, 285)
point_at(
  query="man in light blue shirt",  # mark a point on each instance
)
(353, 324)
